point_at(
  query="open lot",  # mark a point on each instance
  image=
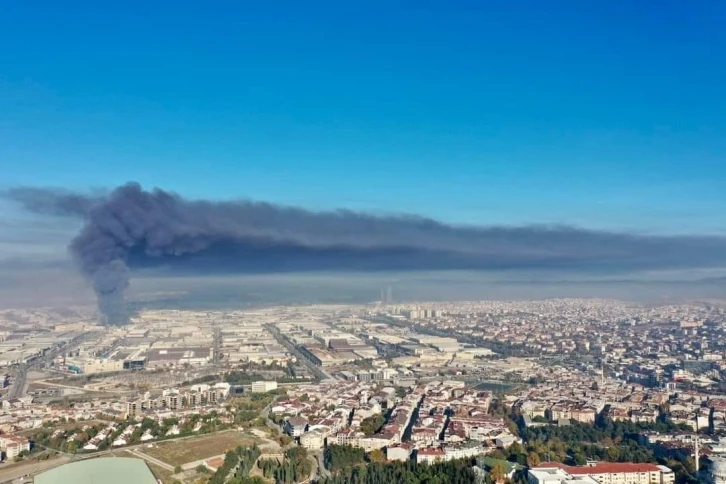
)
(181, 451)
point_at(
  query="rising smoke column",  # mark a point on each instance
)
(129, 228)
(127, 218)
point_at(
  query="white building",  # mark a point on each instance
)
(429, 455)
(296, 426)
(119, 442)
(603, 473)
(452, 452)
(398, 452)
(313, 440)
(556, 476)
(263, 386)
(717, 470)
(13, 445)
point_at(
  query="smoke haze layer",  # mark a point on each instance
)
(130, 227)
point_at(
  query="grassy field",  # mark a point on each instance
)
(195, 448)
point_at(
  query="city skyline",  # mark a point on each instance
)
(344, 242)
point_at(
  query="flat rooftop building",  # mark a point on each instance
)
(109, 470)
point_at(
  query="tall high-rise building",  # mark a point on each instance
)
(387, 295)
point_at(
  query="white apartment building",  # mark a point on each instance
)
(263, 386)
(313, 440)
(603, 473)
(13, 445)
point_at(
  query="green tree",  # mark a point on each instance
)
(372, 424)
(377, 455)
(497, 473)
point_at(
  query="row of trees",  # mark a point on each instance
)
(453, 472)
(238, 461)
(339, 457)
(606, 440)
(575, 453)
(604, 431)
(249, 407)
(294, 468)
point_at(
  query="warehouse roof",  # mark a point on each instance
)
(108, 470)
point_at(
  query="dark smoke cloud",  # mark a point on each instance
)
(134, 228)
(56, 202)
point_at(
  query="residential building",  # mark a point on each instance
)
(296, 426)
(605, 473)
(13, 445)
(313, 440)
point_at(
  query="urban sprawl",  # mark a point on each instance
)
(552, 391)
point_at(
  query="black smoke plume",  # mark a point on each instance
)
(130, 227)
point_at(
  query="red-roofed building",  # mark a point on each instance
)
(13, 445)
(429, 455)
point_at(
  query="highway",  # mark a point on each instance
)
(19, 386)
(20, 383)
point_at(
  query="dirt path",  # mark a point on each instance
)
(153, 460)
(10, 472)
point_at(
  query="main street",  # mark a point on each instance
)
(319, 373)
(20, 383)
(19, 386)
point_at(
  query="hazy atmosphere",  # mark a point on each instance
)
(335, 242)
(115, 234)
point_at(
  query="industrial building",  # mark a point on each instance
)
(263, 386)
(109, 470)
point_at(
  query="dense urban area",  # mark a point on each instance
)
(551, 391)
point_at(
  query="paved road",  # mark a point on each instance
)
(9, 473)
(266, 414)
(153, 460)
(20, 383)
(80, 389)
(193, 465)
(314, 369)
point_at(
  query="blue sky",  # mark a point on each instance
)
(606, 115)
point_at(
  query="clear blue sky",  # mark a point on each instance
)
(603, 114)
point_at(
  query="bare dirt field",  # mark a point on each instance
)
(189, 450)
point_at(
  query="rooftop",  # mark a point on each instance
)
(109, 470)
(602, 468)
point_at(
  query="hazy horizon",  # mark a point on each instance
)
(545, 144)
